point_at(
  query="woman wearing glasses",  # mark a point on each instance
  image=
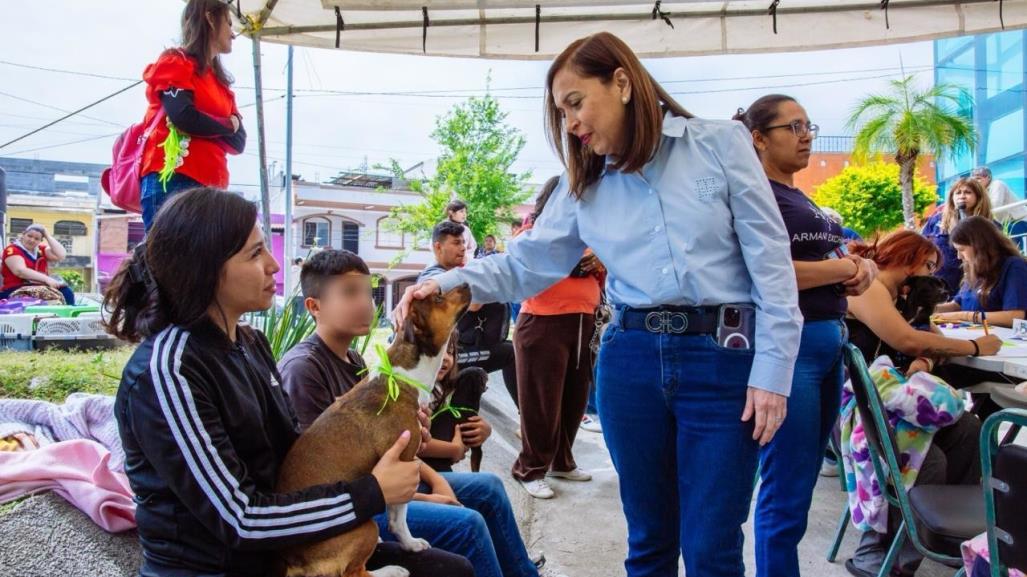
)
(783, 136)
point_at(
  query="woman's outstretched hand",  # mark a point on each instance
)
(418, 291)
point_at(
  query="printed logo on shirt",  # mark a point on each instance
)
(707, 188)
(817, 237)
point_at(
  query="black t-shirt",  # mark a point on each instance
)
(314, 376)
(813, 235)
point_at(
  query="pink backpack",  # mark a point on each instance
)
(121, 180)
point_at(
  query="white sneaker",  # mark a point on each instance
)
(538, 488)
(575, 475)
(591, 424)
(539, 559)
(828, 469)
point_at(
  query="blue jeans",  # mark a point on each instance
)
(484, 530)
(152, 194)
(671, 408)
(790, 463)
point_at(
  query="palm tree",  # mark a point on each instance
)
(906, 122)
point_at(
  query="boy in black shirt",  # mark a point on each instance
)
(337, 289)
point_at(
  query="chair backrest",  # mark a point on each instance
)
(878, 431)
(1004, 468)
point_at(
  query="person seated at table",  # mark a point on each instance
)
(26, 263)
(995, 287)
(966, 198)
(937, 442)
(875, 324)
(877, 328)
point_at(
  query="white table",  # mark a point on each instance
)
(1011, 361)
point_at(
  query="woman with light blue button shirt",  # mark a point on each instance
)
(681, 213)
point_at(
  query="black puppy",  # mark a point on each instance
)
(921, 294)
(461, 391)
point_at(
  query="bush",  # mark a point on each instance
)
(869, 197)
(74, 278)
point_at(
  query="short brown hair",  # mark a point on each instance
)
(599, 56)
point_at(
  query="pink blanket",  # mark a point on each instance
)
(76, 470)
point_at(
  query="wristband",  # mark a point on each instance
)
(977, 349)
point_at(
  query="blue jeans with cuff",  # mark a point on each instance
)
(484, 530)
(671, 408)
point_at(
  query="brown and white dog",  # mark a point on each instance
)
(353, 433)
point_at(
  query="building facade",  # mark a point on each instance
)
(352, 212)
(60, 196)
(990, 67)
(833, 154)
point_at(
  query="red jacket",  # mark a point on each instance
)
(206, 162)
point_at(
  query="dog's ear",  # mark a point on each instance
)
(409, 331)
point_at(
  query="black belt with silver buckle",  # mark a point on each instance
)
(669, 319)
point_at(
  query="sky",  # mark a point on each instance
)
(92, 49)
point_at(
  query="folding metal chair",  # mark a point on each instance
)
(1004, 468)
(935, 518)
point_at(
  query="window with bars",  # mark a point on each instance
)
(69, 228)
(317, 231)
(351, 237)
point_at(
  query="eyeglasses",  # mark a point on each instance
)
(799, 128)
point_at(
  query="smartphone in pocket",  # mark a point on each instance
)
(736, 326)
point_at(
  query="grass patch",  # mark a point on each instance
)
(12, 505)
(53, 375)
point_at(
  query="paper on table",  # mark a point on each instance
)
(1010, 347)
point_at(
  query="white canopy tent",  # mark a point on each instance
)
(539, 29)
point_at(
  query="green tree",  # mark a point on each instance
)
(478, 151)
(869, 196)
(906, 122)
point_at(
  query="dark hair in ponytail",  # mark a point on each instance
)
(172, 278)
(761, 113)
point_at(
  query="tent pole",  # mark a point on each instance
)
(288, 232)
(265, 195)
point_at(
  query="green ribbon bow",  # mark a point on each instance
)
(392, 378)
(448, 407)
